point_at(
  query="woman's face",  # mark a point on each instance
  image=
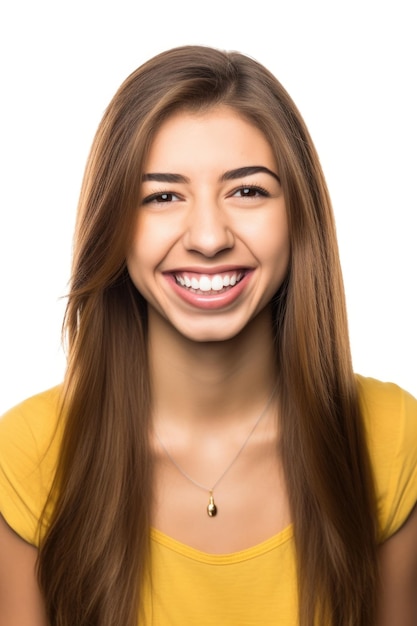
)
(211, 244)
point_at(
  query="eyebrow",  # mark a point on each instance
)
(240, 172)
(165, 178)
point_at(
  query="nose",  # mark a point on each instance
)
(207, 231)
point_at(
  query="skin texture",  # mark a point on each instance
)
(207, 223)
(398, 600)
(20, 598)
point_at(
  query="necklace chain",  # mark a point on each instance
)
(212, 508)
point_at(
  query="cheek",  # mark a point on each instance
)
(282, 247)
(154, 235)
(276, 251)
(271, 241)
(275, 243)
(143, 246)
(139, 257)
(151, 242)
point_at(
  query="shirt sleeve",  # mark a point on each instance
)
(391, 421)
(29, 443)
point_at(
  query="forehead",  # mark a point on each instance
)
(219, 135)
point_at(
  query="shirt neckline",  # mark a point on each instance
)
(222, 559)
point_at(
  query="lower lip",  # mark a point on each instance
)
(213, 301)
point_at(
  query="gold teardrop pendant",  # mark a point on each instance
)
(211, 507)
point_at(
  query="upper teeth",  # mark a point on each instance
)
(209, 283)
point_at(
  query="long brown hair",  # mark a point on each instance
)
(95, 554)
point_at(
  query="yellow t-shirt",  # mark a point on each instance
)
(253, 586)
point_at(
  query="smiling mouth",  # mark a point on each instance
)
(209, 284)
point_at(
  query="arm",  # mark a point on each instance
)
(20, 597)
(398, 562)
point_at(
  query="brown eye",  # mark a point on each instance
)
(248, 191)
(161, 198)
(251, 191)
(164, 197)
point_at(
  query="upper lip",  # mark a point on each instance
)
(208, 271)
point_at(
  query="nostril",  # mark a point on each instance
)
(207, 240)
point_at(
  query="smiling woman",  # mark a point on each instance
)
(211, 457)
(211, 244)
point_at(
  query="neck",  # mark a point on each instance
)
(211, 382)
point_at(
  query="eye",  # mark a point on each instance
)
(250, 191)
(161, 198)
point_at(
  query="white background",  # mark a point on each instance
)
(351, 69)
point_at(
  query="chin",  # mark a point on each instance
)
(214, 334)
(210, 337)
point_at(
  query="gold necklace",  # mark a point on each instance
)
(212, 507)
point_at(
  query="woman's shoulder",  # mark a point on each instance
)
(390, 417)
(37, 407)
(376, 392)
(386, 407)
(30, 435)
(35, 417)
(389, 412)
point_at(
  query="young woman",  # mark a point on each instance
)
(211, 458)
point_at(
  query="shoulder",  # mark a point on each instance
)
(390, 418)
(30, 435)
(386, 397)
(31, 423)
(37, 408)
